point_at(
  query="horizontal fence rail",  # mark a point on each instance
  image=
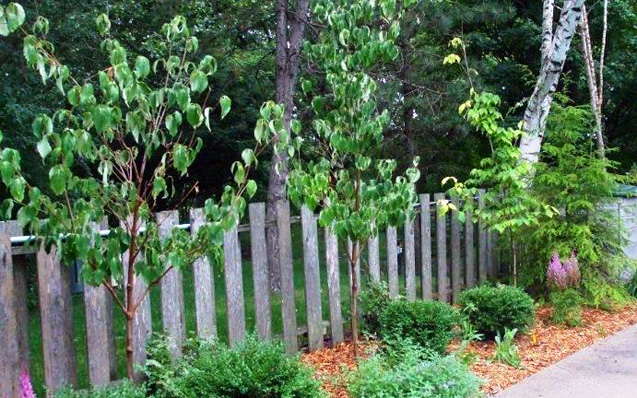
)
(434, 256)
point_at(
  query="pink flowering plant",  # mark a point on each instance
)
(26, 389)
(563, 275)
(564, 278)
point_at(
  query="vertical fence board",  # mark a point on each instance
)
(100, 336)
(204, 285)
(482, 242)
(470, 252)
(142, 319)
(425, 245)
(10, 363)
(410, 261)
(234, 286)
(260, 271)
(456, 281)
(288, 311)
(441, 244)
(492, 262)
(13, 228)
(392, 261)
(373, 258)
(172, 291)
(312, 280)
(333, 285)
(56, 311)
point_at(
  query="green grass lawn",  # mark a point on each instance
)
(37, 370)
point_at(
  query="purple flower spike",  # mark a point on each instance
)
(26, 389)
(556, 274)
(573, 274)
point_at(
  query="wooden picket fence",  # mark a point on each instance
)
(470, 257)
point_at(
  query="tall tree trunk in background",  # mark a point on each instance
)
(408, 92)
(596, 88)
(555, 46)
(289, 37)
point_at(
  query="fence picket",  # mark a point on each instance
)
(482, 242)
(288, 310)
(470, 251)
(456, 281)
(172, 291)
(56, 312)
(13, 228)
(312, 280)
(425, 245)
(260, 271)
(204, 285)
(373, 258)
(410, 261)
(392, 261)
(441, 244)
(9, 346)
(492, 256)
(234, 286)
(333, 285)
(100, 336)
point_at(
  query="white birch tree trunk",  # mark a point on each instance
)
(553, 57)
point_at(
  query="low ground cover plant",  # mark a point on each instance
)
(505, 349)
(251, 369)
(492, 309)
(428, 324)
(409, 375)
(122, 390)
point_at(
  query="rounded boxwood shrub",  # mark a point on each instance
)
(250, 369)
(429, 324)
(492, 309)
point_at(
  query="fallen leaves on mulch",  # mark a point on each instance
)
(544, 345)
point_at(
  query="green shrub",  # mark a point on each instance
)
(429, 324)
(412, 376)
(373, 300)
(492, 309)
(567, 307)
(122, 390)
(252, 369)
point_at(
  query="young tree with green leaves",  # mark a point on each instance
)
(355, 193)
(126, 136)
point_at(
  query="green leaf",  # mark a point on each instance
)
(58, 175)
(251, 188)
(44, 148)
(102, 117)
(225, 103)
(14, 14)
(142, 67)
(198, 81)
(42, 125)
(173, 122)
(194, 115)
(103, 24)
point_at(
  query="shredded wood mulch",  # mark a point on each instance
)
(544, 345)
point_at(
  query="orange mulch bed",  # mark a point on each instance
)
(544, 345)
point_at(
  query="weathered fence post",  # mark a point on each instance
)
(373, 258)
(392, 261)
(204, 285)
(470, 251)
(10, 364)
(410, 261)
(312, 280)
(100, 336)
(234, 286)
(288, 311)
(172, 291)
(441, 238)
(425, 245)
(260, 273)
(13, 228)
(56, 311)
(456, 281)
(334, 285)
(482, 238)
(492, 255)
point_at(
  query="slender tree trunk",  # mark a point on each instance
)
(408, 93)
(130, 370)
(596, 91)
(555, 47)
(290, 31)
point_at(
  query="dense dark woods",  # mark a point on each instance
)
(502, 38)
